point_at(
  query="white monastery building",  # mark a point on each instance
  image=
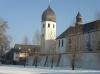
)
(81, 40)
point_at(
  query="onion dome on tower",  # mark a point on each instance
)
(49, 15)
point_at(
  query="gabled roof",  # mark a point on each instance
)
(62, 35)
(84, 28)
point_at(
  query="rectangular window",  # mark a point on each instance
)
(99, 45)
(59, 43)
(62, 42)
(69, 43)
(89, 43)
(43, 26)
(53, 26)
(89, 46)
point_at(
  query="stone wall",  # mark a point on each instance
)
(82, 61)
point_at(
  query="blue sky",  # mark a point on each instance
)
(24, 16)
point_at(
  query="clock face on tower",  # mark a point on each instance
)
(50, 34)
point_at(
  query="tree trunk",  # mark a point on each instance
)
(73, 63)
(58, 62)
(73, 66)
(46, 61)
(52, 62)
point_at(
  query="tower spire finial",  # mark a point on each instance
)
(49, 2)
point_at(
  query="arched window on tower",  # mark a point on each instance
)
(48, 25)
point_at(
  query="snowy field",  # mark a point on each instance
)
(11, 69)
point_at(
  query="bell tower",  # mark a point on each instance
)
(48, 29)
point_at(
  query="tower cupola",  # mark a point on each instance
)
(78, 19)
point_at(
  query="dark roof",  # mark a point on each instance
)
(91, 26)
(26, 47)
(84, 28)
(62, 35)
(67, 31)
(49, 15)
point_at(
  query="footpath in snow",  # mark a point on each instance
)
(13, 69)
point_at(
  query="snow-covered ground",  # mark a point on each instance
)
(11, 69)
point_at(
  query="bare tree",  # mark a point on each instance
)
(36, 41)
(97, 15)
(4, 38)
(52, 48)
(72, 57)
(75, 59)
(36, 38)
(75, 48)
(25, 40)
(53, 52)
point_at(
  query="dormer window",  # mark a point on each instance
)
(48, 25)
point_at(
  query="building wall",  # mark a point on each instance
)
(83, 42)
(84, 60)
(61, 48)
